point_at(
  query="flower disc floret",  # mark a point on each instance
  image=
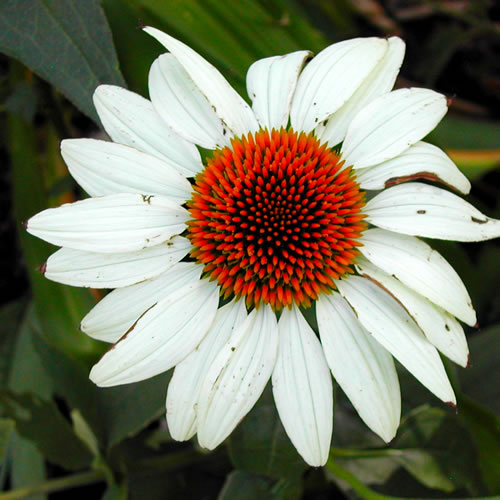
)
(276, 218)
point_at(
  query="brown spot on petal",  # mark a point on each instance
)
(125, 335)
(478, 221)
(43, 268)
(373, 280)
(394, 297)
(428, 176)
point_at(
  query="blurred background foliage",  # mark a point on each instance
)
(62, 437)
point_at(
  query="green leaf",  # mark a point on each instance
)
(485, 429)
(349, 430)
(6, 428)
(116, 492)
(70, 381)
(250, 29)
(461, 133)
(432, 445)
(59, 307)
(488, 271)
(260, 445)
(26, 373)
(22, 371)
(425, 467)
(129, 408)
(10, 318)
(481, 276)
(376, 466)
(26, 464)
(446, 457)
(113, 413)
(481, 380)
(67, 43)
(135, 49)
(295, 18)
(41, 422)
(376, 469)
(246, 486)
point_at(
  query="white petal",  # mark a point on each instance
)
(391, 124)
(185, 386)
(271, 83)
(302, 388)
(331, 78)
(441, 329)
(111, 224)
(360, 365)
(421, 210)
(421, 268)
(120, 309)
(182, 106)
(103, 168)
(162, 337)
(420, 161)
(100, 270)
(237, 377)
(391, 326)
(229, 106)
(378, 82)
(130, 119)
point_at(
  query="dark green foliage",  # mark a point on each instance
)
(67, 43)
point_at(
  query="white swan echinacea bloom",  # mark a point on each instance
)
(274, 221)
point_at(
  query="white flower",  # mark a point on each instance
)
(276, 220)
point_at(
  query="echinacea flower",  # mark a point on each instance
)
(215, 262)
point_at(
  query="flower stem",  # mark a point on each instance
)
(72, 481)
(357, 453)
(145, 466)
(362, 490)
(354, 483)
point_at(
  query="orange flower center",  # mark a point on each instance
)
(275, 218)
